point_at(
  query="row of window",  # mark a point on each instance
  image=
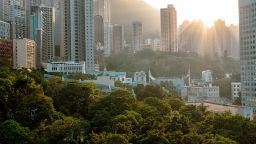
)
(67, 68)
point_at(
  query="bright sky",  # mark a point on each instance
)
(206, 10)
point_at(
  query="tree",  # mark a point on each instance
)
(65, 130)
(73, 98)
(218, 139)
(192, 112)
(225, 87)
(234, 127)
(192, 138)
(12, 133)
(126, 123)
(80, 76)
(162, 107)
(34, 109)
(115, 103)
(175, 103)
(149, 91)
(6, 90)
(108, 138)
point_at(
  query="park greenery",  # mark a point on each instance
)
(34, 110)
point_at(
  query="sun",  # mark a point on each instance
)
(207, 11)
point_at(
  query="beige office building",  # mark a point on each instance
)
(169, 29)
(24, 53)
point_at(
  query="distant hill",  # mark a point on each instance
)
(127, 11)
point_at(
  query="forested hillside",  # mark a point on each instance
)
(163, 64)
(33, 110)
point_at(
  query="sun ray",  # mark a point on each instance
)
(206, 10)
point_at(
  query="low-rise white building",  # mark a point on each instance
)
(103, 80)
(207, 76)
(200, 94)
(24, 53)
(140, 78)
(235, 90)
(66, 67)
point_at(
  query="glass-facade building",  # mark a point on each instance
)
(247, 24)
(17, 17)
(4, 30)
(42, 28)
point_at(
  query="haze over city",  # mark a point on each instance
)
(127, 71)
(206, 10)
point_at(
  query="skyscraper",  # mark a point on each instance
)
(247, 51)
(17, 16)
(137, 38)
(42, 26)
(37, 31)
(4, 10)
(89, 35)
(98, 30)
(1, 9)
(222, 38)
(73, 30)
(102, 8)
(118, 39)
(49, 17)
(169, 29)
(77, 38)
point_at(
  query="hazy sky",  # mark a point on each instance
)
(206, 10)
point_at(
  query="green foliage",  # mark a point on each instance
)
(6, 89)
(142, 91)
(4, 62)
(108, 138)
(218, 139)
(225, 87)
(35, 108)
(175, 103)
(234, 127)
(71, 112)
(192, 138)
(164, 64)
(80, 76)
(12, 133)
(116, 103)
(72, 97)
(123, 85)
(65, 130)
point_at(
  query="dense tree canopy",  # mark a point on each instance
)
(164, 64)
(54, 111)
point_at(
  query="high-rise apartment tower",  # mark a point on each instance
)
(169, 29)
(247, 14)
